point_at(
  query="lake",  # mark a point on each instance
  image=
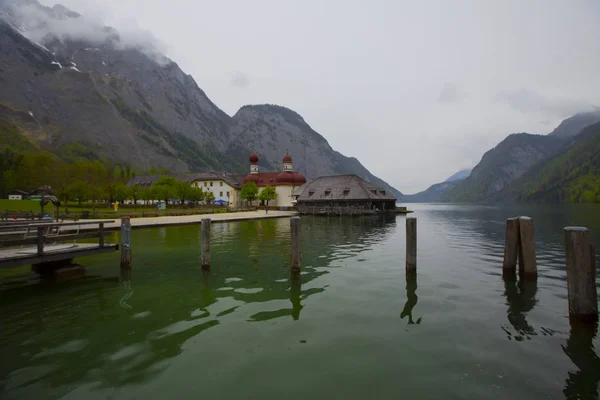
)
(354, 328)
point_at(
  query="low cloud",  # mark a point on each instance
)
(450, 94)
(240, 80)
(528, 102)
(44, 24)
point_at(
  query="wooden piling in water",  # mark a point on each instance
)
(511, 248)
(205, 243)
(125, 242)
(581, 275)
(295, 238)
(527, 260)
(411, 245)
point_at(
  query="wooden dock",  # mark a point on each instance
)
(50, 243)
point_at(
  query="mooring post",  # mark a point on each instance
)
(511, 248)
(40, 241)
(411, 245)
(205, 243)
(581, 274)
(101, 234)
(295, 230)
(527, 260)
(125, 242)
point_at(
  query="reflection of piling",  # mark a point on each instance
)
(295, 230)
(125, 242)
(205, 243)
(581, 274)
(511, 249)
(295, 292)
(582, 384)
(411, 245)
(521, 300)
(527, 261)
(411, 299)
(520, 241)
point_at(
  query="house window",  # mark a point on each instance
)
(346, 191)
(374, 191)
(220, 194)
(382, 192)
(211, 184)
(227, 194)
(311, 192)
(205, 184)
(221, 183)
(327, 192)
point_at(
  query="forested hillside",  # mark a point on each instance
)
(571, 175)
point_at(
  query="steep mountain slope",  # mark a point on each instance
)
(573, 125)
(270, 130)
(124, 101)
(116, 100)
(502, 165)
(571, 175)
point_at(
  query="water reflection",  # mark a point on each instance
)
(520, 298)
(582, 384)
(411, 299)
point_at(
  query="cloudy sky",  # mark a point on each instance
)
(416, 90)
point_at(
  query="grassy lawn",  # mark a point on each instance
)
(20, 205)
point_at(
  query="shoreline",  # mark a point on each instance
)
(174, 220)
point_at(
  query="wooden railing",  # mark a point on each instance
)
(45, 233)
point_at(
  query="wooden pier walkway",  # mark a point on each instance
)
(46, 243)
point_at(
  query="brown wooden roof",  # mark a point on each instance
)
(342, 187)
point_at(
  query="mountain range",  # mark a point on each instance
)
(563, 166)
(72, 86)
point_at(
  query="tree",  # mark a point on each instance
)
(268, 193)
(184, 191)
(78, 189)
(122, 193)
(209, 197)
(165, 188)
(136, 193)
(249, 191)
(196, 194)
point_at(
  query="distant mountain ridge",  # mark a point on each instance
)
(129, 103)
(459, 176)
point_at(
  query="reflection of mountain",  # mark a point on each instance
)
(582, 384)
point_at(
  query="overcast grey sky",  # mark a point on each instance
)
(416, 90)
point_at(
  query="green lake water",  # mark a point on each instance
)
(354, 328)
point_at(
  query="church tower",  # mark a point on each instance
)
(287, 162)
(253, 163)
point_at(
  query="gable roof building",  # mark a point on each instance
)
(345, 194)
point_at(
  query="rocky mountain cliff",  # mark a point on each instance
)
(126, 102)
(270, 130)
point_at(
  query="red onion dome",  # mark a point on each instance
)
(290, 178)
(287, 158)
(253, 158)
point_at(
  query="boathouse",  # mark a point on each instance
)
(343, 194)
